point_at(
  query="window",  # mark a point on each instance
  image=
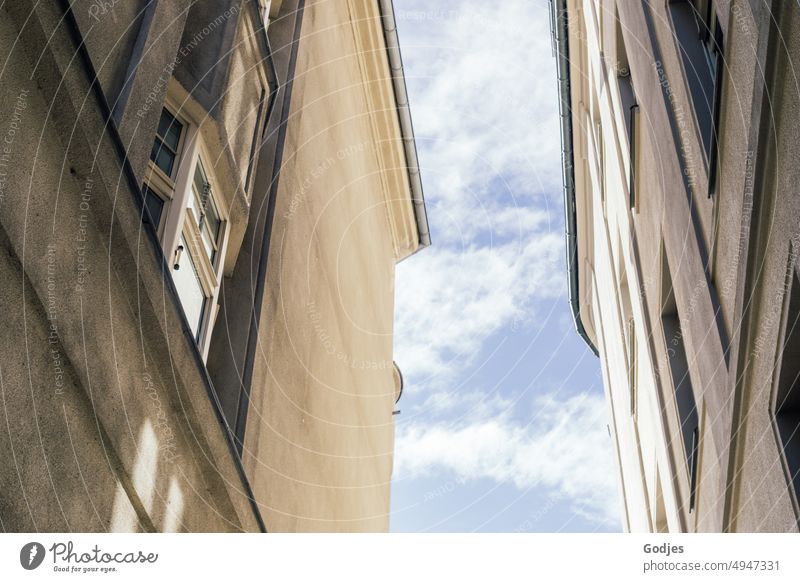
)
(159, 186)
(188, 214)
(681, 378)
(600, 157)
(633, 123)
(624, 80)
(254, 149)
(197, 270)
(190, 289)
(700, 42)
(714, 49)
(629, 332)
(165, 146)
(205, 213)
(787, 392)
(630, 108)
(154, 204)
(269, 10)
(632, 363)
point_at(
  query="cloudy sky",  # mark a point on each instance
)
(503, 422)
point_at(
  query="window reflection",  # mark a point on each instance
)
(189, 289)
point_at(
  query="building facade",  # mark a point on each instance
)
(680, 127)
(202, 206)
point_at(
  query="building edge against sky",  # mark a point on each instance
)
(202, 207)
(681, 131)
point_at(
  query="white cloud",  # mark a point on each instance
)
(484, 101)
(564, 449)
(484, 95)
(467, 404)
(450, 301)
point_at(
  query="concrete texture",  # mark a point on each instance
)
(727, 256)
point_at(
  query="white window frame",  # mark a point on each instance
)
(178, 221)
(158, 181)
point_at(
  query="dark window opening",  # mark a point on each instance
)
(715, 50)
(787, 395)
(700, 42)
(154, 205)
(633, 114)
(254, 145)
(629, 106)
(632, 372)
(165, 145)
(681, 379)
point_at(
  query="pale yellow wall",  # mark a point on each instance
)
(320, 431)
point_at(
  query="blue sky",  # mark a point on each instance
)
(503, 422)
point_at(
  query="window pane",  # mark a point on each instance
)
(200, 178)
(189, 289)
(213, 223)
(627, 100)
(209, 245)
(686, 404)
(162, 157)
(787, 397)
(169, 129)
(698, 74)
(154, 205)
(205, 210)
(198, 189)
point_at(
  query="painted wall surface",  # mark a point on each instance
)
(320, 431)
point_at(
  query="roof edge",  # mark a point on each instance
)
(560, 26)
(404, 116)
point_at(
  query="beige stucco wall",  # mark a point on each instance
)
(320, 432)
